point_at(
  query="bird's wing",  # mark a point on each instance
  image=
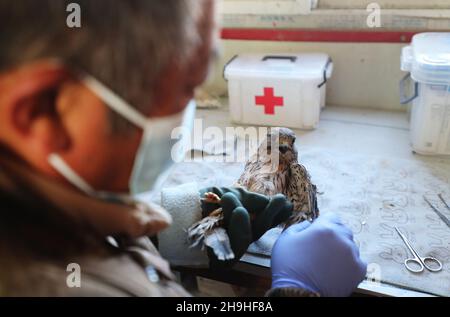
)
(197, 233)
(255, 179)
(246, 176)
(302, 192)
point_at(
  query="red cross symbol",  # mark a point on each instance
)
(269, 101)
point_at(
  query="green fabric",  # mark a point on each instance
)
(247, 216)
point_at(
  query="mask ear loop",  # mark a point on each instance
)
(118, 105)
(114, 101)
(58, 164)
(121, 107)
(73, 178)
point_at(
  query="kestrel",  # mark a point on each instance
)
(273, 169)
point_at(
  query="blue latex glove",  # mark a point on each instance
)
(320, 257)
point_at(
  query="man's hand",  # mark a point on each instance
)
(321, 257)
(247, 216)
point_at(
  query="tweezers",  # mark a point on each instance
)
(437, 211)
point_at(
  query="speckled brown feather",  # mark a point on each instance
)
(290, 178)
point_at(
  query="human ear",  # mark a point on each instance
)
(30, 123)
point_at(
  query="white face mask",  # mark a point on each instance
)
(158, 150)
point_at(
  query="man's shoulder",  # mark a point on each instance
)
(27, 276)
(89, 274)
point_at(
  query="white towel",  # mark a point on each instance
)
(184, 205)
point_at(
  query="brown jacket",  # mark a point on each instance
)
(44, 227)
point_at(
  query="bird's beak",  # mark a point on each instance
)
(284, 148)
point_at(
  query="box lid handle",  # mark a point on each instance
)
(403, 98)
(325, 71)
(226, 65)
(293, 59)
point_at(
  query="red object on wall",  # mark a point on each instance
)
(306, 35)
(269, 101)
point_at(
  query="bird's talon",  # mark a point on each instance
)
(211, 198)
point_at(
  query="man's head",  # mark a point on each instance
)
(151, 53)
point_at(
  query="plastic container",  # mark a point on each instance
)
(286, 90)
(427, 60)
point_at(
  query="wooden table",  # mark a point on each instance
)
(253, 272)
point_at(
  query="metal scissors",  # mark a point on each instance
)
(419, 263)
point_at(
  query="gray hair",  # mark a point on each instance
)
(123, 43)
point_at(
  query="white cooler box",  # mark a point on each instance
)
(428, 62)
(278, 90)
